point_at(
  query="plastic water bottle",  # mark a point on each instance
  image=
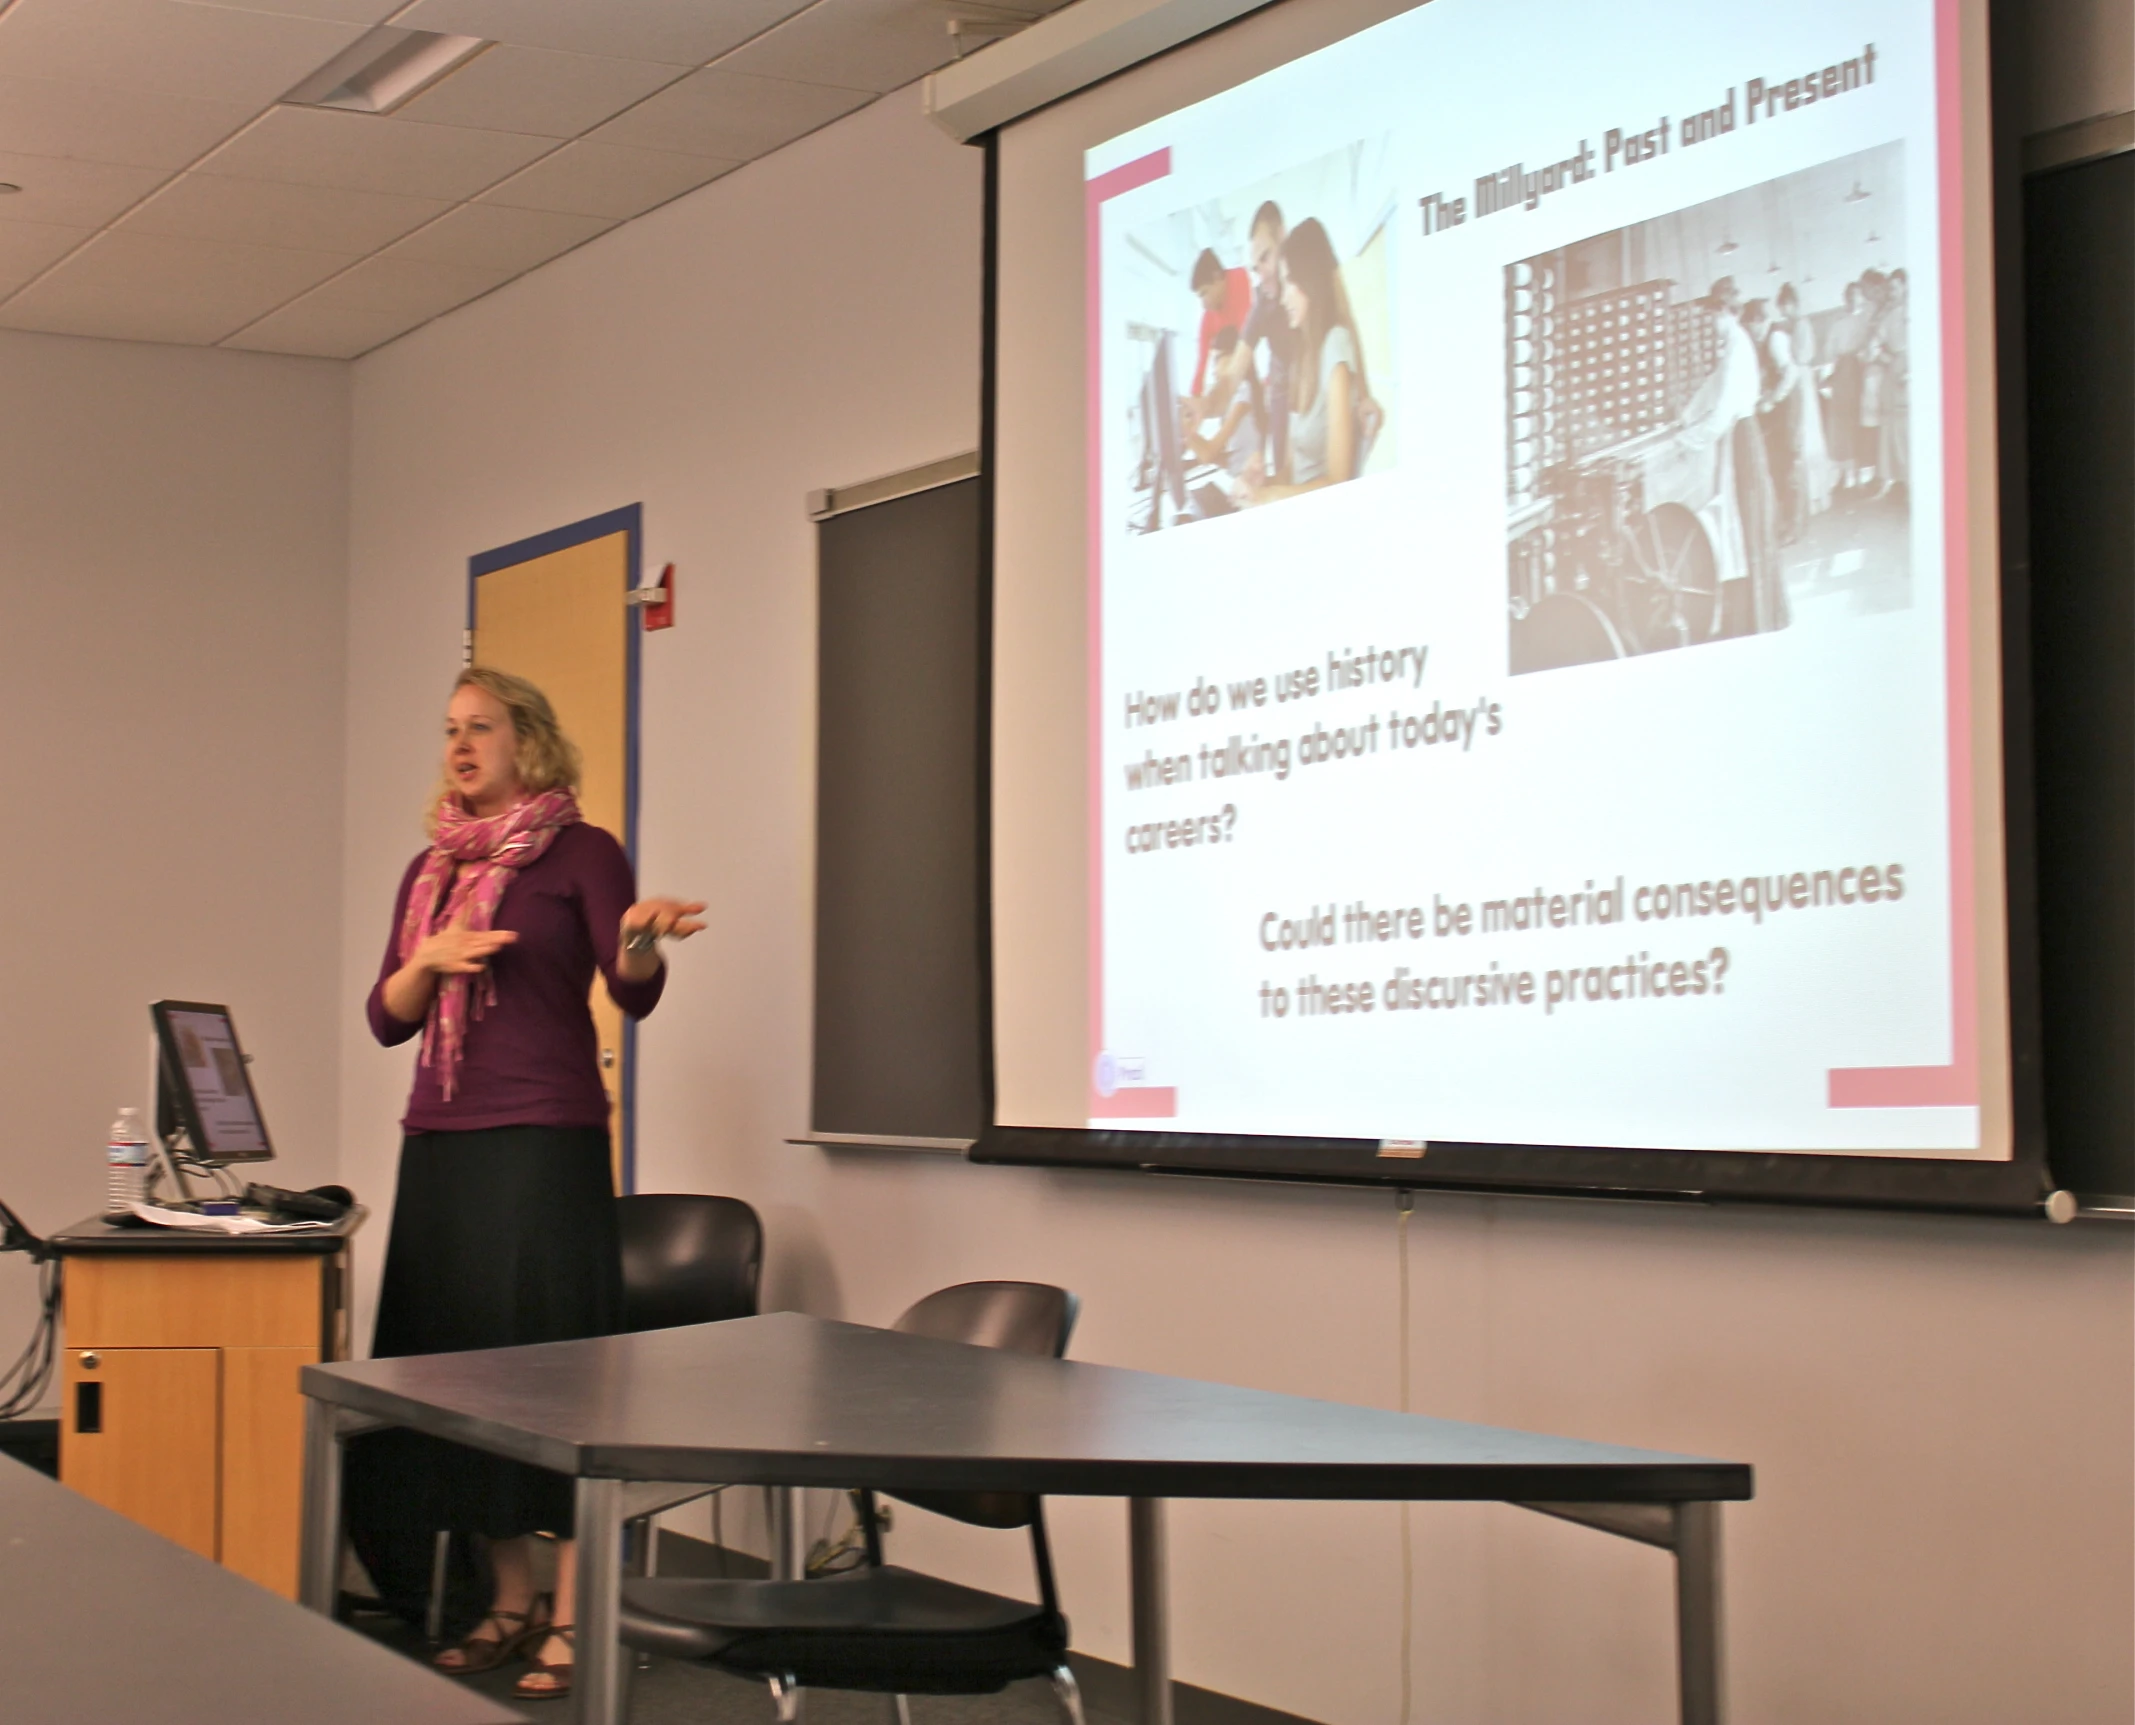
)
(127, 1153)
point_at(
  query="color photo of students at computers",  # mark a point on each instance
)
(1290, 380)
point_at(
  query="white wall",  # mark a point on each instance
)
(1939, 1411)
(173, 527)
(2075, 61)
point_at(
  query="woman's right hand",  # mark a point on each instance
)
(457, 950)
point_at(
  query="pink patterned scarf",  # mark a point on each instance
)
(486, 850)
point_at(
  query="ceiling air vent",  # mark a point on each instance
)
(383, 69)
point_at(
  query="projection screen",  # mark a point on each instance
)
(1498, 607)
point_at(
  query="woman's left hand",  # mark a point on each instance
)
(660, 918)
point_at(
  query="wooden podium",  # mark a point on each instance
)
(179, 1404)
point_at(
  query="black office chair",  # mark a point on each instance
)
(880, 1628)
(688, 1258)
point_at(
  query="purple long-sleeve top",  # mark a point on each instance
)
(531, 1058)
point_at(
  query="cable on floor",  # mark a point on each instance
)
(1404, 1207)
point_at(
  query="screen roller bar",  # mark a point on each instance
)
(1068, 51)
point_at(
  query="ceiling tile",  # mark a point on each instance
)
(309, 230)
(370, 153)
(78, 194)
(364, 12)
(410, 285)
(877, 45)
(325, 331)
(512, 89)
(139, 317)
(136, 128)
(28, 247)
(494, 236)
(167, 47)
(589, 179)
(152, 288)
(269, 213)
(680, 32)
(730, 114)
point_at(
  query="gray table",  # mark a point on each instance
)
(105, 1623)
(790, 1401)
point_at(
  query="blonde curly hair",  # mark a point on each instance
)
(547, 759)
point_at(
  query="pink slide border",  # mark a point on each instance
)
(1154, 1102)
(1957, 1084)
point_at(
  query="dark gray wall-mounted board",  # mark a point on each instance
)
(2079, 289)
(899, 1046)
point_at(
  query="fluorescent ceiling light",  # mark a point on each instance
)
(383, 68)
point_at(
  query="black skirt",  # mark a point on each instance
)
(499, 1238)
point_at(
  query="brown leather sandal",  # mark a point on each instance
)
(550, 1679)
(478, 1652)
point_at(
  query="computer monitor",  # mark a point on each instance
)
(202, 1087)
(1163, 445)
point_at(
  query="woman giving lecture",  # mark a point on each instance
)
(504, 1222)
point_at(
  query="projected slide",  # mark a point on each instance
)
(1530, 694)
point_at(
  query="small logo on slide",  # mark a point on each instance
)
(1106, 1076)
(1116, 1072)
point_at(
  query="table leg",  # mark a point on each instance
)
(789, 1556)
(1152, 1611)
(1697, 1613)
(319, 1559)
(598, 1680)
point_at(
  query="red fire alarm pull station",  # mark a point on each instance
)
(659, 600)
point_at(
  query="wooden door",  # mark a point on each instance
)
(560, 617)
(263, 1463)
(138, 1434)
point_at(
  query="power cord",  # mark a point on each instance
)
(185, 1165)
(845, 1553)
(826, 1556)
(24, 1383)
(1404, 1207)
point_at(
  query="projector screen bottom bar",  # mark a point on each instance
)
(2018, 1188)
